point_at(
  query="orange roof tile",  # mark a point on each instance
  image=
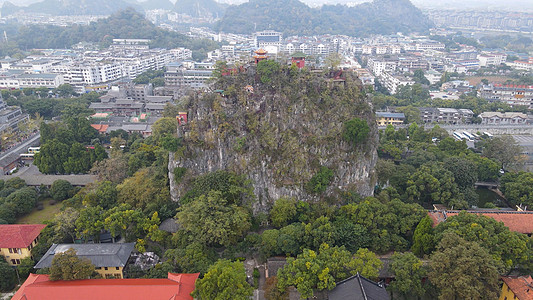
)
(100, 127)
(521, 286)
(19, 236)
(517, 221)
(177, 287)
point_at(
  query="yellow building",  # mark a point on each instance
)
(17, 241)
(520, 288)
(109, 259)
(387, 118)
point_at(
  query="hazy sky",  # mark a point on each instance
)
(514, 5)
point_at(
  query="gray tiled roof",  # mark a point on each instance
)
(101, 255)
(358, 288)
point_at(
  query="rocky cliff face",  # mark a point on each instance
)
(278, 130)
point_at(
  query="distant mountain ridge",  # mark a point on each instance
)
(200, 8)
(296, 18)
(71, 7)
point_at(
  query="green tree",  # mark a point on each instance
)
(25, 267)
(24, 200)
(423, 238)
(319, 271)
(68, 266)
(66, 222)
(463, 270)
(504, 150)
(164, 127)
(434, 184)
(60, 190)
(211, 220)
(65, 90)
(283, 212)
(355, 131)
(195, 257)
(518, 188)
(8, 277)
(508, 249)
(320, 181)
(409, 273)
(90, 222)
(224, 280)
(267, 69)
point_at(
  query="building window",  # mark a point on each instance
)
(118, 268)
(18, 261)
(13, 262)
(105, 268)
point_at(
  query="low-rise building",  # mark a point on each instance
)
(445, 115)
(175, 287)
(433, 76)
(384, 118)
(503, 118)
(491, 59)
(517, 287)
(17, 241)
(109, 259)
(509, 93)
(358, 287)
(517, 221)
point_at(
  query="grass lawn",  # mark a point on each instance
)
(38, 216)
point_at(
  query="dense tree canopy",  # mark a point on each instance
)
(68, 266)
(463, 270)
(212, 220)
(224, 280)
(320, 270)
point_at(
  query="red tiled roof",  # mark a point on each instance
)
(516, 221)
(100, 127)
(19, 236)
(521, 286)
(176, 287)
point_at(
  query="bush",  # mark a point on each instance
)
(320, 182)
(179, 172)
(60, 190)
(40, 206)
(355, 131)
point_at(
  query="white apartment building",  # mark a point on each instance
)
(40, 80)
(522, 65)
(267, 38)
(379, 65)
(495, 59)
(393, 82)
(432, 76)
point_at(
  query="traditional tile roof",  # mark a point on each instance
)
(358, 287)
(100, 255)
(517, 221)
(19, 236)
(175, 287)
(522, 286)
(102, 128)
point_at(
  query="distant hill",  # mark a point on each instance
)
(156, 4)
(200, 8)
(71, 7)
(8, 8)
(296, 18)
